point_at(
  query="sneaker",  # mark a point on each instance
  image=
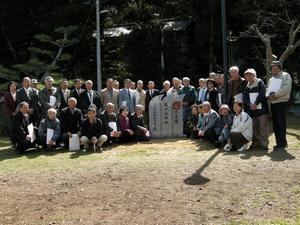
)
(227, 147)
(84, 150)
(243, 148)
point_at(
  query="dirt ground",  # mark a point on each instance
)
(161, 182)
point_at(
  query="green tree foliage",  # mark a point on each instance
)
(31, 38)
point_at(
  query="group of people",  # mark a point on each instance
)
(243, 116)
(116, 115)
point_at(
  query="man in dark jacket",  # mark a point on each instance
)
(29, 95)
(256, 106)
(64, 93)
(93, 131)
(71, 119)
(20, 129)
(76, 93)
(236, 87)
(49, 97)
(138, 125)
(90, 98)
(110, 122)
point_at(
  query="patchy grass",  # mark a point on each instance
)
(277, 221)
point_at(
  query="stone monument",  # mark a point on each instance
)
(165, 116)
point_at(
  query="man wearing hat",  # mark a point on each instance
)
(279, 104)
(34, 84)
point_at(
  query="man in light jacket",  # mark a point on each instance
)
(279, 104)
(207, 130)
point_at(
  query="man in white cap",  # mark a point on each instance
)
(279, 104)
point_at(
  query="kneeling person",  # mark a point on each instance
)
(241, 130)
(138, 125)
(207, 130)
(71, 119)
(93, 131)
(20, 129)
(108, 116)
(50, 124)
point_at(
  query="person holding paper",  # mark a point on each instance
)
(138, 125)
(109, 120)
(49, 97)
(236, 86)
(49, 130)
(256, 106)
(20, 129)
(93, 131)
(71, 120)
(279, 103)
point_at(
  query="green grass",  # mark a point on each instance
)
(277, 221)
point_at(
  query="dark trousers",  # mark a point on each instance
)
(23, 145)
(210, 135)
(140, 135)
(126, 137)
(279, 111)
(237, 139)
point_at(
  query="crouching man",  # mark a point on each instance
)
(20, 129)
(93, 131)
(49, 130)
(138, 125)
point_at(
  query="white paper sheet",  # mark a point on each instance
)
(113, 125)
(52, 100)
(238, 97)
(274, 85)
(50, 133)
(74, 143)
(31, 132)
(147, 134)
(124, 103)
(253, 97)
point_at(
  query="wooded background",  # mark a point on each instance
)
(57, 37)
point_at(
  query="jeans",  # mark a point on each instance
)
(224, 137)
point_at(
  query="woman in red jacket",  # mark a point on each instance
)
(125, 127)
